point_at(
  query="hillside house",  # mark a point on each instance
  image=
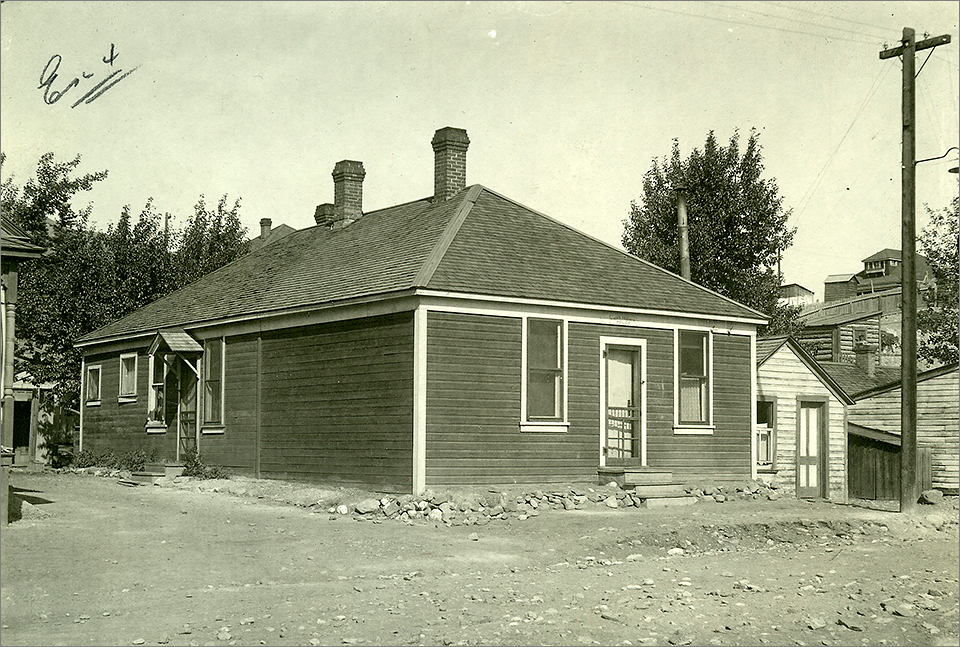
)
(794, 294)
(457, 339)
(881, 272)
(834, 337)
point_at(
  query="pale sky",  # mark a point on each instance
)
(566, 104)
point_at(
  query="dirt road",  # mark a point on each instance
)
(95, 563)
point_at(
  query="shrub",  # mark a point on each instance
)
(193, 466)
(131, 461)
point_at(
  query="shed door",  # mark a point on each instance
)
(623, 440)
(811, 454)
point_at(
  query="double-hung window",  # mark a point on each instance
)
(694, 379)
(213, 382)
(544, 394)
(766, 433)
(93, 386)
(128, 377)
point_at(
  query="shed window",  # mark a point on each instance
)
(766, 433)
(128, 376)
(213, 381)
(694, 377)
(93, 385)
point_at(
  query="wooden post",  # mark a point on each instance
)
(908, 363)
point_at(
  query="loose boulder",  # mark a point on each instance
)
(931, 497)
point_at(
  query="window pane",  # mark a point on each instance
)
(693, 346)
(765, 413)
(693, 400)
(543, 394)
(211, 402)
(158, 369)
(93, 384)
(543, 344)
(128, 375)
(213, 381)
(212, 356)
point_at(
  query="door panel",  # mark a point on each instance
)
(811, 472)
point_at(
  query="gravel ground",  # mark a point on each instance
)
(261, 562)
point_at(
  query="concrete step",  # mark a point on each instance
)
(149, 478)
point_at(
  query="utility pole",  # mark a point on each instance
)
(909, 491)
(684, 238)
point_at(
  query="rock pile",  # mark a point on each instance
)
(720, 492)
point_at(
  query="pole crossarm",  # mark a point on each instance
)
(927, 43)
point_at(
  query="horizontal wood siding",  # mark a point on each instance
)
(725, 455)
(121, 427)
(785, 377)
(236, 447)
(937, 423)
(818, 343)
(337, 403)
(847, 333)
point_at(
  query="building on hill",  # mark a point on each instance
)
(458, 339)
(834, 337)
(794, 294)
(881, 272)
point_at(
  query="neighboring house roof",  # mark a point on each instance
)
(855, 381)
(768, 346)
(929, 374)
(15, 242)
(275, 234)
(477, 242)
(839, 278)
(887, 254)
(813, 320)
(794, 287)
(873, 434)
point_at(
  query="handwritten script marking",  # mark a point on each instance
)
(50, 75)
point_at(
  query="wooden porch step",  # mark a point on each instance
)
(628, 476)
(659, 491)
(668, 501)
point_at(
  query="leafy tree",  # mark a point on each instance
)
(737, 226)
(937, 322)
(212, 238)
(142, 260)
(47, 197)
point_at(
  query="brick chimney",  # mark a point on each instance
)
(265, 224)
(449, 162)
(347, 193)
(324, 214)
(867, 358)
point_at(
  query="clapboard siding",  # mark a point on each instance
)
(937, 423)
(723, 455)
(787, 378)
(837, 343)
(121, 427)
(473, 406)
(236, 447)
(337, 403)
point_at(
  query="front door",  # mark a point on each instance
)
(187, 413)
(811, 450)
(623, 437)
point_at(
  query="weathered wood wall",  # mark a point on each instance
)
(937, 423)
(785, 377)
(120, 426)
(337, 403)
(236, 447)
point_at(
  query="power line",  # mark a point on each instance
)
(793, 6)
(796, 20)
(808, 195)
(658, 7)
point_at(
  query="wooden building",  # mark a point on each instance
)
(874, 423)
(801, 431)
(833, 337)
(458, 339)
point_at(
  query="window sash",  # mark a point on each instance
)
(694, 387)
(128, 375)
(213, 382)
(158, 389)
(93, 384)
(544, 387)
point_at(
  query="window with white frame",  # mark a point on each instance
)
(93, 385)
(766, 432)
(694, 377)
(544, 379)
(213, 381)
(128, 376)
